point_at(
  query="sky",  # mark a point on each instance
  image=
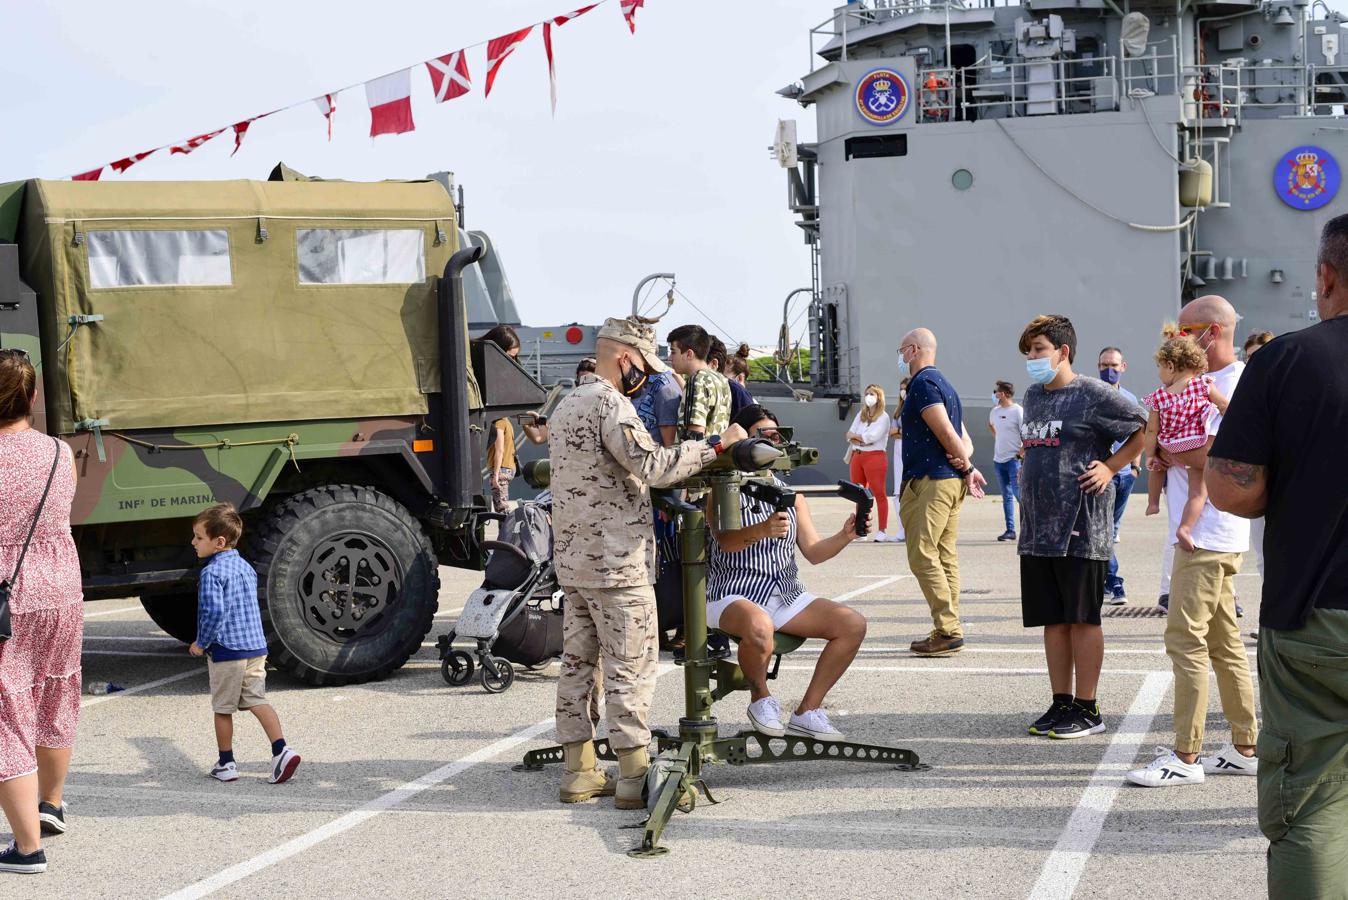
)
(657, 159)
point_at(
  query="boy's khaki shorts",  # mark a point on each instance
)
(237, 683)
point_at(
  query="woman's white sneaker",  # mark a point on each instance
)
(766, 717)
(1230, 761)
(813, 724)
(1167, 769)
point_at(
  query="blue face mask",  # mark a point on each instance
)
(1041, 371)
(1109, 376)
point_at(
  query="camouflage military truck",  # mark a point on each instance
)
(279, 345)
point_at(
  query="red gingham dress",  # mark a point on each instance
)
(1184, 416)
(40, 665)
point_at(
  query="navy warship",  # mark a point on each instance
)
(979, 163)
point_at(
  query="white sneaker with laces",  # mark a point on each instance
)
(226, 772)
(283, 765)
(766, 716)
(1165, 770)
(1230, 761)
(813, 723)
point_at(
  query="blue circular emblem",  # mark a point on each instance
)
(882, 97)
(1306, 177)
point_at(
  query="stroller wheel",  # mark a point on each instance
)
(457, 668)
(504, 678)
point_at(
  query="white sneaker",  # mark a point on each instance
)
(227, 772)
(881, 537)
(1167, 769)
(1230, 761)
(283, 765)
(766, 717)
(813, 724)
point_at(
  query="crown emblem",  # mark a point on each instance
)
(883, 84)
(1307, 159)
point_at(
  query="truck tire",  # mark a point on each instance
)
(175, 613)
(348, 584)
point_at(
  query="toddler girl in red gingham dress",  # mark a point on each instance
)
(1177, 422)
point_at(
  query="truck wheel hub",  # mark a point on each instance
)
(351, 580)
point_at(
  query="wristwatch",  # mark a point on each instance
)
(714, 442)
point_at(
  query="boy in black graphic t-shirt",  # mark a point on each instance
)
(1067, 516)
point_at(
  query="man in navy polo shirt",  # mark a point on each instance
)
(936, 466)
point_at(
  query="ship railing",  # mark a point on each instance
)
(1231, 92)
(1156, 71)
(998, 85)
(859, 16)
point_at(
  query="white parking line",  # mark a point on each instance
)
(113, 612)
(1062, 870)
(86, 702)
(379, 804)
(935, 667)
(870, 587)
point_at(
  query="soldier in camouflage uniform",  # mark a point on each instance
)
(603, 459)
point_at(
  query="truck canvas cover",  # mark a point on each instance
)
(236, 301)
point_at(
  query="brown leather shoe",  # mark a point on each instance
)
(937, 644)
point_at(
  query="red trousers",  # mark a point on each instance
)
(868, 470)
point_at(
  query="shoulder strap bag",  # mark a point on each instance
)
(7, 586)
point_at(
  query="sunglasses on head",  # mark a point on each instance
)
(15, 351)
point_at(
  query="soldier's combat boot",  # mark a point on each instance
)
(583, 779)
(632, 765)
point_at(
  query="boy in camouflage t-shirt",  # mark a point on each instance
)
(705, 409)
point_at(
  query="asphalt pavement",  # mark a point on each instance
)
(407, 788)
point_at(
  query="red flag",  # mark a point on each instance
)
(562, 20)
(240, 129)
(629, 8)
(327, 105)
(449, 76)
(390, 100)
(547, 46)
(193, 143)
(499, 48)
(91, 175)
(122, 165)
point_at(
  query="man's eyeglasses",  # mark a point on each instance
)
(1193, 329)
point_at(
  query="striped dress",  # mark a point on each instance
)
(761, 571)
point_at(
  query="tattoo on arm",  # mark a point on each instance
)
(1243, 474)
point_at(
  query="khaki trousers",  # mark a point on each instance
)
(1201, 631)
(612, 628)
(1303, 757)
(930, 511)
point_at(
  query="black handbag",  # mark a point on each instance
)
(7, 586)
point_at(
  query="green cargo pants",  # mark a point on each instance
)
(1303, 757)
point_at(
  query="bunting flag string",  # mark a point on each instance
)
(390, 96)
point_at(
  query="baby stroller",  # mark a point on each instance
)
(516, 615)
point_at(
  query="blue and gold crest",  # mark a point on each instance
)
(1306, 178)
(882, 97)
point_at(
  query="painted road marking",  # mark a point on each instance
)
(935, 668)
(379, 804)
(86, 702)
(1062, 870)
(111, 612)
(870, 587)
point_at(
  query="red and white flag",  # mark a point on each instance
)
(499, 48)
(193, 143)
(240, 129)
(327, 105)
(122, 165)
(547, 46)
(449, 76)
(390, 101)
(91, 175)
(629, 8)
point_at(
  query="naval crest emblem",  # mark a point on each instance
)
(1306, 178)
(882, 97)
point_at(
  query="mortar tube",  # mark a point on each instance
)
(456, 469)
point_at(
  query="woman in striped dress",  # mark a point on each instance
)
(754, 590)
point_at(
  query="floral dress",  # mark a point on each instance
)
(40, 664)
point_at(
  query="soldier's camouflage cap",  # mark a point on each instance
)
(636, 335)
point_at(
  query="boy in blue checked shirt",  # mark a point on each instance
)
(229, 633)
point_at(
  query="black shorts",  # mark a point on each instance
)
(1061, 590)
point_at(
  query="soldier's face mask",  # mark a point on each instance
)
(632, 379)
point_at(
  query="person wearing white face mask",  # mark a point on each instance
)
(896, 432)
(867, 444)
